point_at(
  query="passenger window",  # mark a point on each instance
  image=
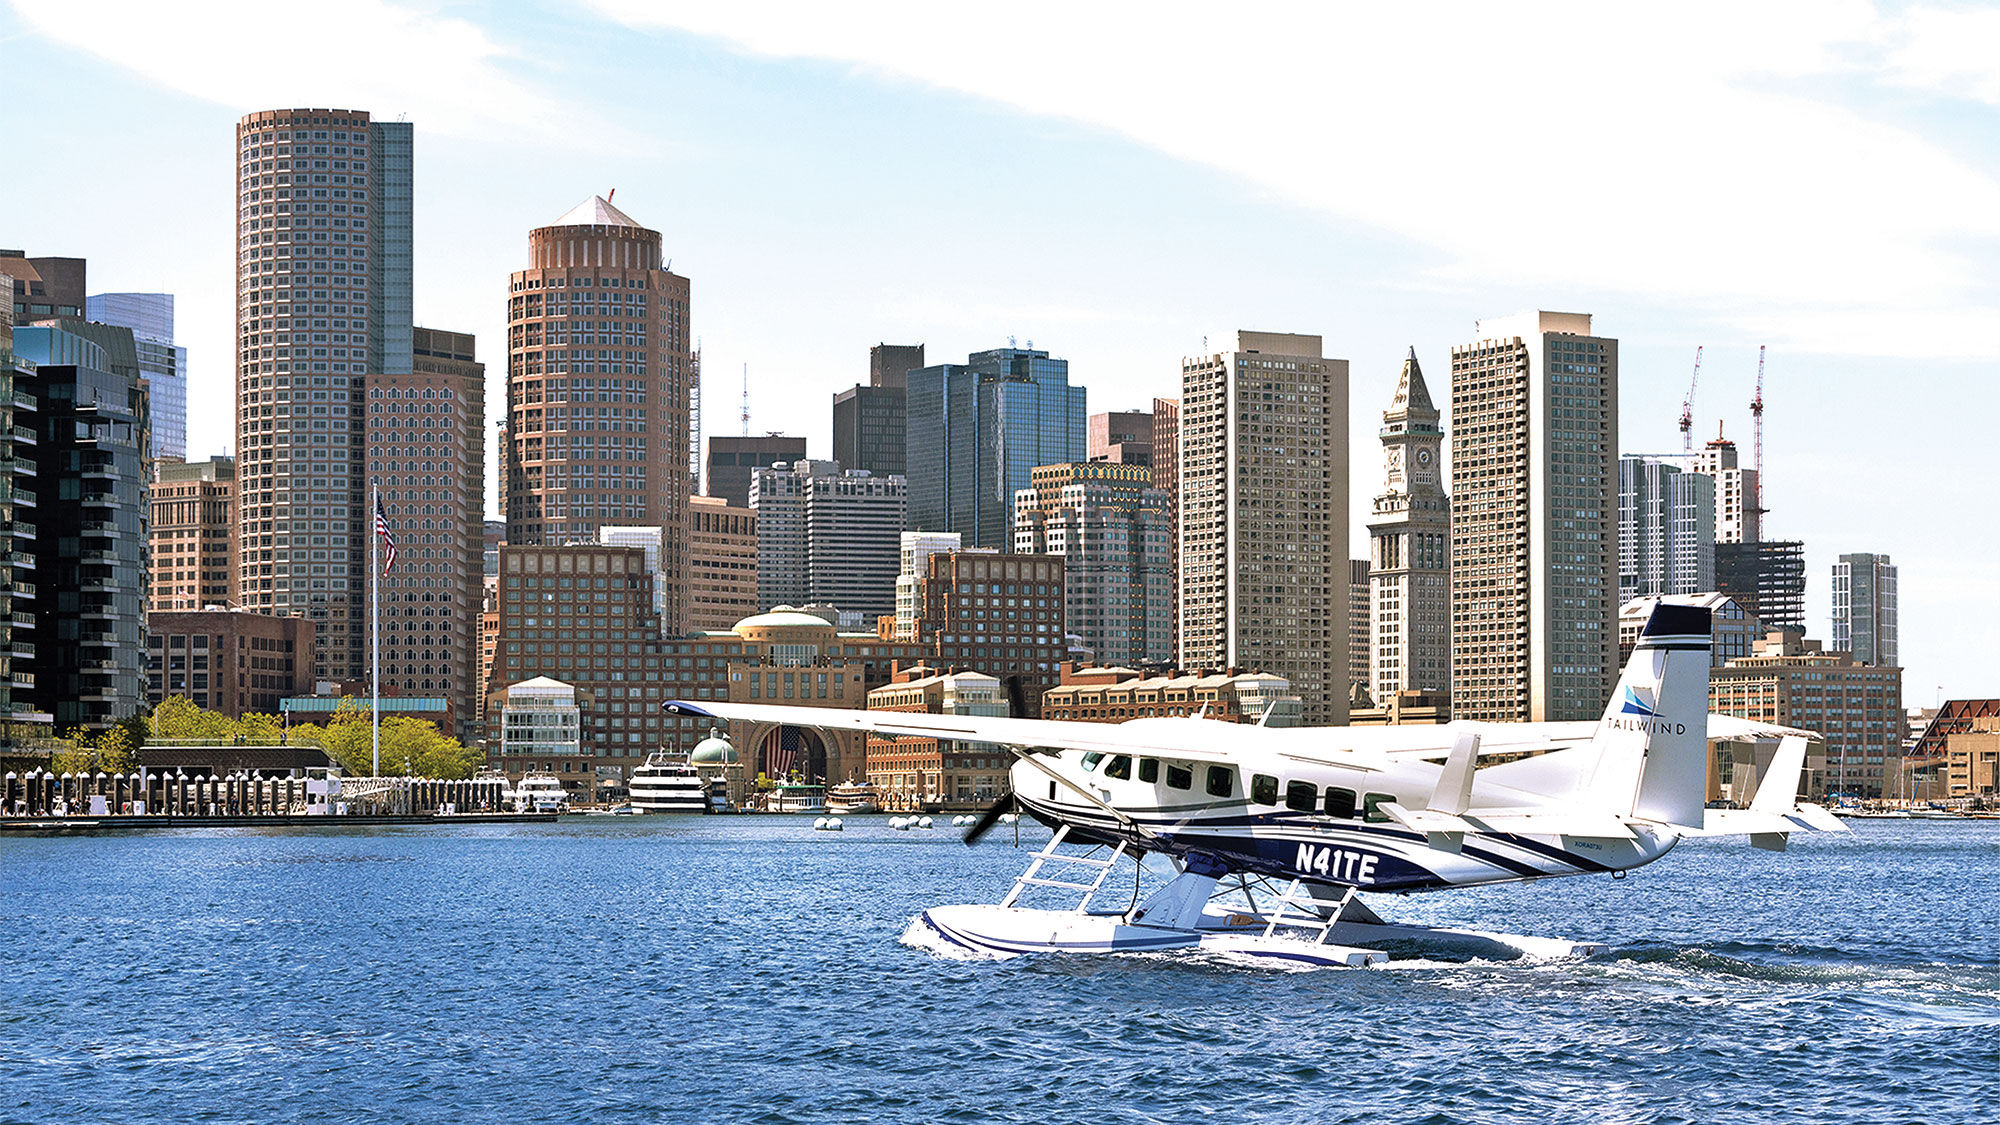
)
(1120, 768)
(1372, 807)
(1340, 803)
(1090, 761)
(1301, 795)
(1221, 781)
(1149, 769)
(1180, 777)
(1263, 789)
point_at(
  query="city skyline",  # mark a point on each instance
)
(1848, 368)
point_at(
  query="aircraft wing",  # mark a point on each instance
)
(1024, 734)
(1729, 728)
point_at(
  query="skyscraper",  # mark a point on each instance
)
(1738, 519)
(827, 536)
(1410, 568)
(1263, 516)
(150, 316)
(323, 292)
(1666, 529)
(977, 430)
(425, 442)
(731, 460)
(1534, 452)
(598, 377)
(1864, 609)
(1124, 436)
(722, 563)
(1166, 477)
(869, 421)
(1109, 525)
(193, 536)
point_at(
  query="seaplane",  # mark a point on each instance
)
(1268, 836)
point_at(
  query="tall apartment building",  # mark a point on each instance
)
(1767, 578)
(323, 301)
(1666, 529)
(1109, 526)
(1738, 517)
(1410, 548)
(1857, 709)
(913, 569)
(425, 448)
(1263, 516)
(977, 430)
(827, 536)
(732, 459)
(192, 540)
(1864, 608)
(17, 517)
(997, 614)
(1534, 579)
(722, 554)
(150, 316)
(1360, 632)
(1166, 477)
(599, 378)
(87, 460)
(1122, 436)
(870, 421)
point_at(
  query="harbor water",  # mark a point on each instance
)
(750, 969)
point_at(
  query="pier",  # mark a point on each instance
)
(42, 800)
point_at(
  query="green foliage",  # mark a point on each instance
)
(115, 749)
(410, 746)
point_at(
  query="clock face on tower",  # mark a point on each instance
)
(1424, 458)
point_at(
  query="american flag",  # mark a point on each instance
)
(388, 540)
(777, 756)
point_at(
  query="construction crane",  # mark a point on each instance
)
(1687, 409)
(1757, 429)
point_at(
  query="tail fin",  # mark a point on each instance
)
(1652, 744)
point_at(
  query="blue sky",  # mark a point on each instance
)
(1116, 183)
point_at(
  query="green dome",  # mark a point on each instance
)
(714, 750)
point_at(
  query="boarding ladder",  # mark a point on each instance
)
(1032, 877)
(1307, 912)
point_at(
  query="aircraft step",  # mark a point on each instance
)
(1032, 877)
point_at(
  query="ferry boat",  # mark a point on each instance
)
(853, 797)
(796, 798)
(668, 784)
(540, 792)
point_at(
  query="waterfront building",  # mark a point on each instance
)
(1733, 630)
(977, 430)
(1166, 454)
(232, 661)
(1121, 436)
(1410, 546)
(722, 557)
(1534, 454)
(998, 614)
(18, 502)
(599, 378)
(1857, 709)
(1666, 529)
(323, 301)
(192, 538)
(1409, 707)
(827, 535)
(1109, 525)
(542, 721)
(1864, 608)
(1263, 516)
(1767, 578)
(88, 465)
(914, 550)
(163, 363)
(731, 460)
(1957, 756)
(1114, 695)
(1738, 516)
(913, 772)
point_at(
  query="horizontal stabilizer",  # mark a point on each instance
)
(1817, 818)
(1445, 831)
(1742, 822)
(1551, 822)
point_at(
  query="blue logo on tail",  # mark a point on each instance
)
(1636, 706)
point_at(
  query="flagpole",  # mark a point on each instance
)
(375, 624)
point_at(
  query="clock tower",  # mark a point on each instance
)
(1410, 537)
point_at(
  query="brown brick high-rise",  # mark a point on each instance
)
(598, 371)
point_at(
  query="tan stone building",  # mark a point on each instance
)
(1857, 709)
(997, 614)
(915, 773)
(1534, 520)
(1957, 757)
(722, 553)
(598, 378)
(230, 661)
(192, 538)
(1262, 515)
(1114, 695)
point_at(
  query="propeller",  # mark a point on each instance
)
(989, 818)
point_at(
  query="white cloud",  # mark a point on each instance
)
(1677, 153)
(444, 72)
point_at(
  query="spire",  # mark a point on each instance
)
(596, 211)
(1412, 396)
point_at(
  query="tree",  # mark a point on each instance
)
(410, 746)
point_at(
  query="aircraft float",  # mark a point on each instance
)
(1270, 834)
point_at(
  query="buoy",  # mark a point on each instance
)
(924, 823)
(833, 824)
(897, 823)
(1009, 818)
(819, 822)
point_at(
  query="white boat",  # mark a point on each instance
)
(668, 784)
(796, 798)
(540, 792)
(853, 797)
